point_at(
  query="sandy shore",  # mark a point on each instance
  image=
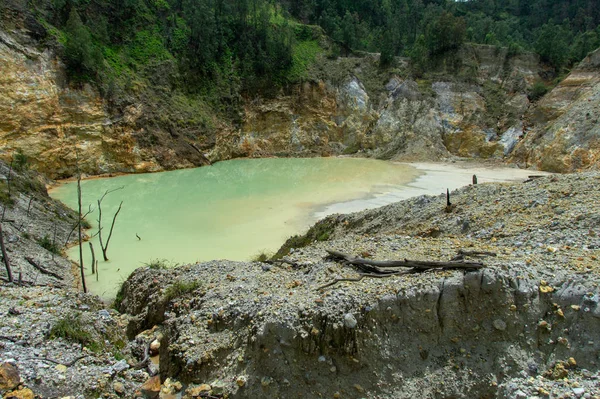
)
(435, 178)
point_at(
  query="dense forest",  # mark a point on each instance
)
(221, 48)
(561, 31)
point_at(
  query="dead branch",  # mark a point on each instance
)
(462, 253)
(374, 265)
(110, 191)
(144, 362)
(2, 246)
(363, 275)
(531, 178)
(282, 262)
(29, 205)
(103, 246)
(69, 364)
(90, 210)
(41, 269)
(373, 268)
(79, 219)
(5, 255)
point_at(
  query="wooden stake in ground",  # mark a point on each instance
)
(93, 258)
(79, 224)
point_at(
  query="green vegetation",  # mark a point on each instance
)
(195, 60)
(180, 288)
(303, 55)
(423, 28)
(319, 232)
(160, 264)
(538, 90)
(262, 256)
(20, 161)
(72, 329)
(49, 244)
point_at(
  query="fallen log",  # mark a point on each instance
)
(374, 265)
(42, 270)
(373, 268)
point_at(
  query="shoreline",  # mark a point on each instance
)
(429, 181)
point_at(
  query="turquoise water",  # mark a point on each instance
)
(231, 210)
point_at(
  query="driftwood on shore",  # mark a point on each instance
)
(381, 268)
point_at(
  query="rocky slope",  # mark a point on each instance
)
(524, 326)
(54, 340)
(564, 132)
(464, 108)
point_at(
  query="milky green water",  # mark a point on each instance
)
(231, 210)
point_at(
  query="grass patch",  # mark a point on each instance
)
(262, 256)
(321, 231)
(180, 288)
(5, 197)
(71, 329)
(47, 243)
(304, 55)
(160, 264)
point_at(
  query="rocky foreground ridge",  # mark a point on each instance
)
(524, 326)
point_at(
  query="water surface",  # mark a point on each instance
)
(231, 210)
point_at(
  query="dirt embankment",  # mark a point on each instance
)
(524, 326)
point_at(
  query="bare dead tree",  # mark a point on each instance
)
(82, 217)
(5, 256)
(104, 246)
(2, 246)
(79, 218)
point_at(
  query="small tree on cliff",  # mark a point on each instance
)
(81, 55)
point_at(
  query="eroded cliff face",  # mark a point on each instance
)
(565, 131)
(473, 105)
(54, 123)
(353, 106)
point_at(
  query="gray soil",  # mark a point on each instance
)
(527, 325)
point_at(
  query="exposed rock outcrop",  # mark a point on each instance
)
(353, 106)
(54, 122)
(564, 132)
